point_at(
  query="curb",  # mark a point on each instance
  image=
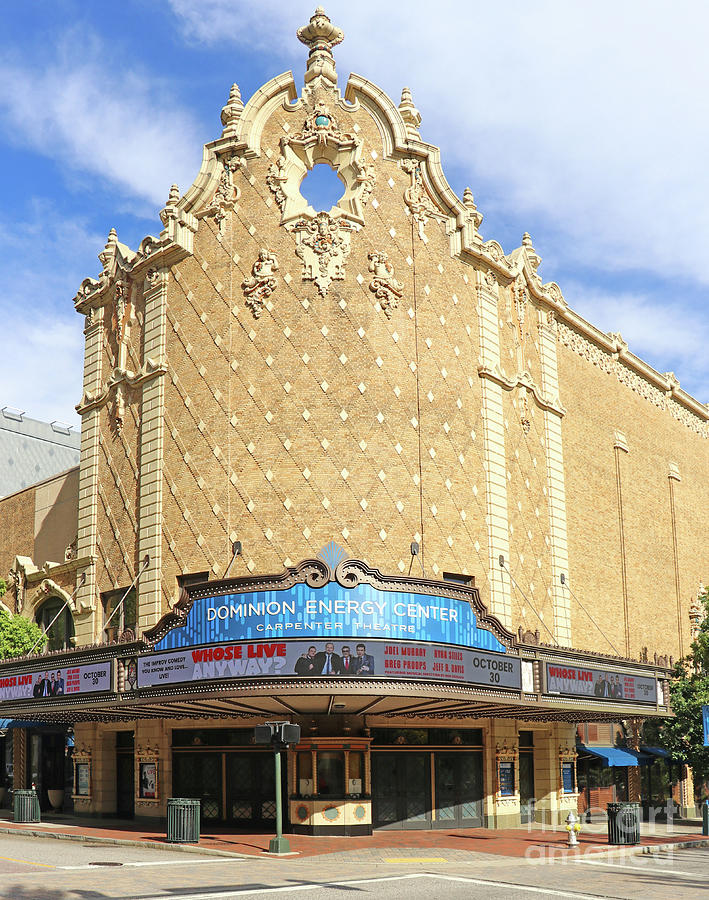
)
(148, 844)
(674, 845)
(633, 850)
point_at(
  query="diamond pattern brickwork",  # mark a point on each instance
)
(304, 425)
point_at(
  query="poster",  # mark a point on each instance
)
(45, 684)
(336, 658)
(507, 779)
(567, 778)
(83, 779)
(602, 684)
(149, 780)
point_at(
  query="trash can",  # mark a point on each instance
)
(182, 821)
(25, 806)
(623, 823)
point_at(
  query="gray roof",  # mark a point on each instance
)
(31, 451)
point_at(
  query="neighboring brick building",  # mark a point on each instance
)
(352, 386)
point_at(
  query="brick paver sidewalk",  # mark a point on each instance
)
(533, 842)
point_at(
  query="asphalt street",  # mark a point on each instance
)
(46, 869)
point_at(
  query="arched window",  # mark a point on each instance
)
(60, 632)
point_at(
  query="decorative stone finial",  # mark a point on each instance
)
(532, 256)
(410, 115)
(231, 112)
(696, 613)
(469, 203)
(170, 210)
(108, 254)
(320, 35)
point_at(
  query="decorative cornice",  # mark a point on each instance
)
(524, 380)
(610, 354)
(149, 370)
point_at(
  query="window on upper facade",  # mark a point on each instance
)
(56, 623)
(322, 188)
(456, 578)
(185, 581)
(117, 620)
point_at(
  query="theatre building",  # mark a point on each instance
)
(361, 469)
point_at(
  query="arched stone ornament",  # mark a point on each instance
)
(320, 141)
(48, 588)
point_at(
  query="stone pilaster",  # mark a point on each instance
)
(151, 449)
(87, 626)
(494, 449)
(688, 807)
(555, 484)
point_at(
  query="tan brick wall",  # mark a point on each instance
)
(325, 419)
(599, 405)
(17, 532)
(292, 472)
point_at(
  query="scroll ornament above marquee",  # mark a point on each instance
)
(318, 573)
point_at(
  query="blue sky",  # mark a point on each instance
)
(584, 124)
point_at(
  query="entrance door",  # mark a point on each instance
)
(125, 784)
(459, 790)
(401, 790)
(198, 776)
(526, 786)
(125, 774)
(250, 789)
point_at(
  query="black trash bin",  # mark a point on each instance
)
(623, 823)
(182, 821)
(25, 806)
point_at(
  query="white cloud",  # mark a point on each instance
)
(268, 25)
(42, 351)
(42, 365)
(664, 334)
(582, 117)
(96, 115)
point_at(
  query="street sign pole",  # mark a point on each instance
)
(279, 735)
(278, 844)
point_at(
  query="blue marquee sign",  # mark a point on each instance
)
(333, 611)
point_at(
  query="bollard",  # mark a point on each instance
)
(705, 817)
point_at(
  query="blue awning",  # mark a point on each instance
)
(20, 723)
(617, 756)
(656, 751)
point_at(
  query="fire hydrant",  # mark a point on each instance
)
(573, 826)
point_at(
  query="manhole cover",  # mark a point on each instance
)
(105, 863)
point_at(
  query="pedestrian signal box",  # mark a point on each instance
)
(277, 733)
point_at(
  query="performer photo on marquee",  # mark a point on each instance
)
(363, 662)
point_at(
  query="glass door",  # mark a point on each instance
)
(526, 786)
(401, 790)
(251, 790)
(199, 776)
(459, 790)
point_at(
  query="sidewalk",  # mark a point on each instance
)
(533, 842)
